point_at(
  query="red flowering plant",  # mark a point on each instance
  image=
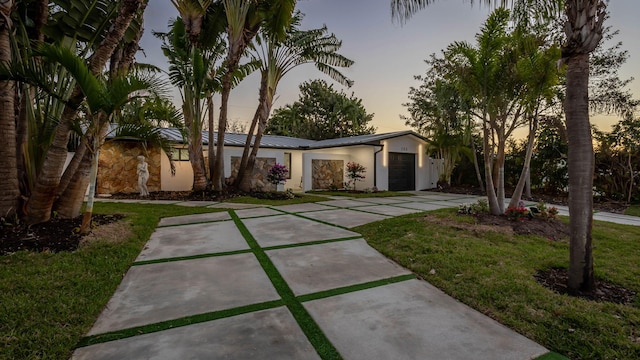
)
(517, 213)
(355, 172)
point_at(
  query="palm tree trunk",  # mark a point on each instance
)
(211, 149)
(517, 193)
(69, 204)
(492, 198)
(71, 169)
(264, 116)
(581, 166)
(9, 185)
(500, 166)
(88, 212)
(476, 166)
(262, 99)
(41, 201)
(217, 181)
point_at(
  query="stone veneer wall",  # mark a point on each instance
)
(260, 170)
(118, 165)
(326, 173)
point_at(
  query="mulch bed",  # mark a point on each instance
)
(617, 207)
(52, 236)
(556, 280)
(551, 229)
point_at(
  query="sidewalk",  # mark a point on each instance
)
(290, 282)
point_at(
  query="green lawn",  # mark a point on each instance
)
(633, 210)
(361, 195)
(48, 301)
(493, 273)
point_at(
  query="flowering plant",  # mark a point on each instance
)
(277, 174)
(355, 172)
(517, 213)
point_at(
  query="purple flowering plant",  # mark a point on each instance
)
(277, 174)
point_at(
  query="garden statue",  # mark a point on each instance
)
(143, 176)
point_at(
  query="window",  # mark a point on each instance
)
(287, 163)
(180, 154)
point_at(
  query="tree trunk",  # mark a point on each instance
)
(264, 116)
(217, 181)
(9, 185)
(88, 212)
(581, 167)
(477, 166)
(492, 198)
(211, 149)
(517, 193)
(262, 99)
(71, 169)
(500, 166)
(41, 201)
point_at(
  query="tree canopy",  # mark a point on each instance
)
(321, 113)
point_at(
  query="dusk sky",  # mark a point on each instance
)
(386, 54)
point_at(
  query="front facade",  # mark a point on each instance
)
(393, 161)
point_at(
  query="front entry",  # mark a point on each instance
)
(402, 171)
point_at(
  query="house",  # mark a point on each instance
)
(394, 161)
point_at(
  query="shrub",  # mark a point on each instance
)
(355, 172)
(277, 174)
(517, 213)
(545, 212)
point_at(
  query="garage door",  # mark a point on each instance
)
(402, 171)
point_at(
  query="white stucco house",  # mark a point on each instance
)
(394, 161)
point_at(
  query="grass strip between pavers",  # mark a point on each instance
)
(354, 288)
(192, 257)
(316, 337)
(193, 223)
(318, 242)
(171, 324)
(552, 356)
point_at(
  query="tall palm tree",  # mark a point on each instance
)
(583, 30)
(277, 58)
(102, 102)
(9, 187)
(40, 204)
(244, 19)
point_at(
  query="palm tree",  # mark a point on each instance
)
(40, 204)
(277, 58)
(244, 19)
(9, 187)
(583, 30)
(103, 101)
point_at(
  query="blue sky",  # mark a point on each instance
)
(386, 54)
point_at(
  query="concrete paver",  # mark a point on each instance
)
(314, 268)
(267, 334)
(290, 229)
(196, 218)
(206, 238)
(256, 212)
(414, 320)
(345, 217)
(158, 292)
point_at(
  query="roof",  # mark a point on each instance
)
(286, 142)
